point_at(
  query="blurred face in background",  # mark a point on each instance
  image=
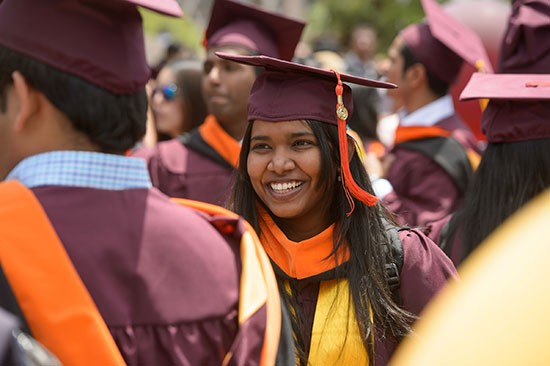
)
(394, 72)
(168, 105)
(364, 42)
(226, 85)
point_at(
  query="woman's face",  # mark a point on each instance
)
(284, 165)
(167, 105)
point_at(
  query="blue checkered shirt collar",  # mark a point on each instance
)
(82, 169)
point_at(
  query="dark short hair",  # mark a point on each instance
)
(114, 122)
(437, 86)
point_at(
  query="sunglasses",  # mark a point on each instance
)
(169, 92)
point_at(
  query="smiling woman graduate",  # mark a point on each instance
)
(302, 186)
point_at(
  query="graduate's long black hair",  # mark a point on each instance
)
(509, 175)
(363, 232)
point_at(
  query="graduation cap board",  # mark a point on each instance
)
(443, 43)
(461, 39)
(170, 8)
(260, 31)
(514, 120)
(508, 86)
(100, 41)
(283, 66)
(289, 90)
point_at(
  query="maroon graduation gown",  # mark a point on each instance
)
(422, 190)
(426, 270)
(180, 171)
(164, 280)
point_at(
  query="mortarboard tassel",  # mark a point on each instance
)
(480, 66)
(350, 186)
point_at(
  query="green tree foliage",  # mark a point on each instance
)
(183, 29)
(337, 17)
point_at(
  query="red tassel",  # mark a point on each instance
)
(204, 41)
(351, 188)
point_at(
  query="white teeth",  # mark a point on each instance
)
(280, 187)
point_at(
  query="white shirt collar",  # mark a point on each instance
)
(429, 114)
(84, 169)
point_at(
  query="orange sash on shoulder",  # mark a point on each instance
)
(258, 285)
(225, 145)
(403, 134)
(57, 306)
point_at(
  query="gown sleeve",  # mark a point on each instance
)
(426, 270)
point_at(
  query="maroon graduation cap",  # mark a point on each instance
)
(519, 107)
(100, 41)
(443, 43)
(248, 26)
(288, 91)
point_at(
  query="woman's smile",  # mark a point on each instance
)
(285, 189)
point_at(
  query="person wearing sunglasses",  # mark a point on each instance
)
(176, 100)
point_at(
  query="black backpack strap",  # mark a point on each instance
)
(449, 154)
(444, 242)
(285, 352)
(194, 141)
(9, 302)
(394, 262)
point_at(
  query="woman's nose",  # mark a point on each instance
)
(281, 163)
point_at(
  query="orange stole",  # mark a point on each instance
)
(403, 134)
(258, 285)
(225, 145)
(300, 260)
(51, 295)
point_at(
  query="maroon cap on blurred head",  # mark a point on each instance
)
(519, 109)
(100, 41)
(253, 28)
(288, 91)
(443, 43)
(526, 44)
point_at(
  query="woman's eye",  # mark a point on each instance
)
(259, 147)
(303, 143)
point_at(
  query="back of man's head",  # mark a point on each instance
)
(87, 57)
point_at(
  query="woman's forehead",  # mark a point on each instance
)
(263, 127)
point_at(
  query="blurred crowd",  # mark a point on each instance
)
(272, 201)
